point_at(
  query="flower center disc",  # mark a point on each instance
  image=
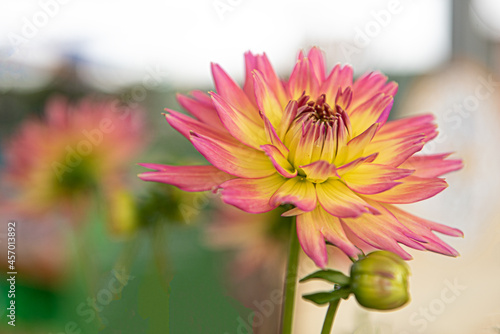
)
(319, 110)
(317, 131)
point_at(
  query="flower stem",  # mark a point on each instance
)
(330, 316)
(290, 281)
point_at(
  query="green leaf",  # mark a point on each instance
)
(333, 276)
(322, 298)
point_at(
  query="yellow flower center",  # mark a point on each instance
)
(318, 131)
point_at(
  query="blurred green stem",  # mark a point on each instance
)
(159, 245)
(330, 316)
(290, 281)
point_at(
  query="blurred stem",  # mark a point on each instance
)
(83, 264)
(85, 242)
(330, 316)
(160, 251)
(162, 266)
(290, 281)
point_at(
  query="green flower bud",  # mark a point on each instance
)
(380, 281)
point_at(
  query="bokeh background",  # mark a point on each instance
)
(185, 263)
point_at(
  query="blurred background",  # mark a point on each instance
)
(100, 251)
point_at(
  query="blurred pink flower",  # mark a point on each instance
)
(56, 163)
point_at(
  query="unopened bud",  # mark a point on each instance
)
(380, 281)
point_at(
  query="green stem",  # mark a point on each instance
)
(330, 316)
(160, 252)
(290, 281)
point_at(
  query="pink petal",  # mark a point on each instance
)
(262, 64)
(241, 160)
(303, 146)
(252, 195)
(317, 63)
(292, 212)
(273, 138)
(339, 79)
(368, 86)
(297, 191)
(418, 125)
(238, 124)
(432, 165)
(344, 98)
(300, 55)
(185, 125)
(289, 115)
(393, 152)
(412, 189)
(383, 231)
(356, 146)
(355, 163)
(251, 63)
(233, 94)
(343, 132)
(373, 178)
(332, 230)
(390, 88)
(424, 229)
(312, 229)
(340, 201)
(279, 161)
(203, 111)
(202, 97)
(311, 239)
(319, 171)
(302, 80)
(187, 178)
(375, 110)
(267, 101)
(373, 237)
(329, 149)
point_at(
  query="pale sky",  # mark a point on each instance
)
(120, 40)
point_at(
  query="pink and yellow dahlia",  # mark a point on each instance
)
(320, 142)
(56, 163)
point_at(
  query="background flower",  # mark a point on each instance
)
(77, 150)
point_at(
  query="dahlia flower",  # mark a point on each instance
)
(57, 162)
(321, 142)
